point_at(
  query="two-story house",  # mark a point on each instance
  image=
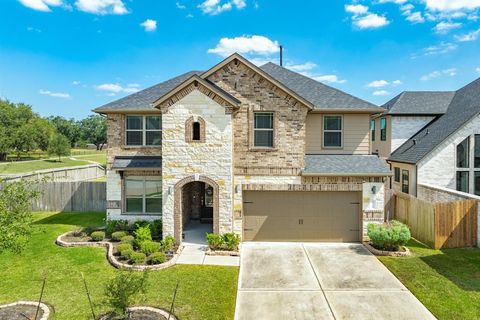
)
(261, 151)
(446, 152)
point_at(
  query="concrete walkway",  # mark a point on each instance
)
(320, 281)
(195, 247)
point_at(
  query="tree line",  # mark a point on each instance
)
(23, 131)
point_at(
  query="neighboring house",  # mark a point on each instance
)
(405, 115)
(446, 152)
(261, 151)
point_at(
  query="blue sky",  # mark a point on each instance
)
(66, 57)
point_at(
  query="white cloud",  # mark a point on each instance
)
(32, 29)
(477, 69)
(41, 5)
(393, 1)
(445, 27)
(102, 6)
(397, 82)
(245, 44)
(415, 17)
(113, 88)
(438, 73)
(76, 82)
(378, 84)
(452, 5)
(189, 15)
(328, 78)
(381, 93)
(471, 36)
(149, 25)
(301, 67)
(180, 6)
(370, 21)
(442, 48)
(356, 9)
(55, 94)
(214, 7)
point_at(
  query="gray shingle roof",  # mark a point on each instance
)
(464, 105)
(319, 94)
(139, 162)
(366, 165)
(142, 100)
(420, 102)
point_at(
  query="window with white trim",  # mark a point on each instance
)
(405, 181)
(263, 129)
(383, 129)
(332, 131)
(143, 195)
(143, 130)
(467, 161)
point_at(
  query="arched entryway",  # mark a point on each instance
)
(196, 200)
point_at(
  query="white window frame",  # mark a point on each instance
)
(264, 129)
(144, 131)
(144, 197)
(325, 131)
(471, 163)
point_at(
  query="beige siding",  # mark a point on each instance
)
(383, 148)
(412, 173)
(356, 135)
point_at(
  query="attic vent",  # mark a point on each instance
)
(195, 83)
(427, 132)
(414, 141)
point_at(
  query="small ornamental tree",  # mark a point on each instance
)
(15, 214)
(59, 146)
(121, 290)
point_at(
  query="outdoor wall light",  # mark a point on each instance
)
(169, 190)
(374, 189)
(236, 188)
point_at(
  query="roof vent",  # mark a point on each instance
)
(414, 141)
(427, 132)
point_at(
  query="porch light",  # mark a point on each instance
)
(374, 189)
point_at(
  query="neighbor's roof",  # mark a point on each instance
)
(464, 106)
(345, 165)
(142, 100)
(137, 163)
(314, 94)
(419, 102)
(317, 93)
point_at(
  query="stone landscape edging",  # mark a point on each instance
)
(43, 306)
(162, 312)
(377, 252)
(211, 252)
(110, 256)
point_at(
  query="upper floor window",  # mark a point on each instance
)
(263, 129)
(383, 129)
(405, 181)
(332, 131)
(396, 171)
(143, 130)
(196, 131)
(372, 128)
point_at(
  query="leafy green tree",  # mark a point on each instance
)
(59, 146)
(44, 132)
(7, 115)
(15, 214)
(24, 139)
(94, 130)
(68, 127)
(121, 290)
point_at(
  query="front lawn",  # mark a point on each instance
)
(29, 166)
(446, 281)
(205, 292)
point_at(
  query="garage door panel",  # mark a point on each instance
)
(301, 216)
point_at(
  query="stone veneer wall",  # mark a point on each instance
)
(258, 94)
(212, 159)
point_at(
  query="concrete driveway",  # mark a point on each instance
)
(320, 281)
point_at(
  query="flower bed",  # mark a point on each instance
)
(388, 238)
(226, 244)
(404, 251)
(22, 310)
(143, 313)
(131, 248)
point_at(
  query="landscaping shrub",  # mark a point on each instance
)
(126, 253)
(215, 241)
(97, 235)
(137, 257)
(128, 239)
(124, 246)
(116, 225)
(121, 290)
(231, 241)
(156, 229)
(149, 247)
(143, 234)
(118, 235)
(157, 258)
(168, 243)
(388, 236)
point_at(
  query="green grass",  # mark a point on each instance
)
(100, 158)
(446, 281)
(205, 292)
(21, 167)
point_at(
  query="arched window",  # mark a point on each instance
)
(196, 131)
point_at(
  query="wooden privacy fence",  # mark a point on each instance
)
(82, 196)
(439, 225)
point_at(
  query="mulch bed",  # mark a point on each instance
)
(404, 251)
(142, 313)
(20, 312)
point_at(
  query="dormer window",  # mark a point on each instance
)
(195, 130)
